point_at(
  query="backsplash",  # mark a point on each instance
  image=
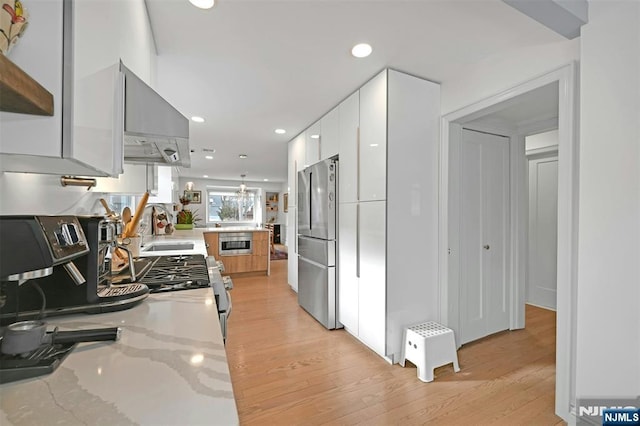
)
(27, 193)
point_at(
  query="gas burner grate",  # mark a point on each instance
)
(170, 273)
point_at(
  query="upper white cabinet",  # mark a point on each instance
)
(312, 146)
(372, 180)
(296, 156)
(330, 134)
(72, 48)
(349, 112)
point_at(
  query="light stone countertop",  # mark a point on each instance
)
(194, 236)
(168, 368)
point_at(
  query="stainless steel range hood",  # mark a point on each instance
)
(154, 131)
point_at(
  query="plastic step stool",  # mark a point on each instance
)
(429, 345)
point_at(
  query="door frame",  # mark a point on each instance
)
(451, 125)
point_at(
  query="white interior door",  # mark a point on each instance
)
(484, 231)
(543, 232)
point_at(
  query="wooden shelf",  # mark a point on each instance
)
(20, 93)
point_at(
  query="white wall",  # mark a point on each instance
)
(28, 193)
(608, 340)
(499, 72)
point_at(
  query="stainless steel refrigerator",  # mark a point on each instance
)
(317, 242)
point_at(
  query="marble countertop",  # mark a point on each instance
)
(194, 236)
(168, 368)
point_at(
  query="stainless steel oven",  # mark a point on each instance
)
(234, 243)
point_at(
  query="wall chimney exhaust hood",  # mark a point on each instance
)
(154, 131)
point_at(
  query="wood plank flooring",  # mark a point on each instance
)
(287, 369)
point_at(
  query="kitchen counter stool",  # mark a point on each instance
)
(429, 345)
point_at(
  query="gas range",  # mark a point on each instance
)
(173, 273)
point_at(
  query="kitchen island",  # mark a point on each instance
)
(169, 367)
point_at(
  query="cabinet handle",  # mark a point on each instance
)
(358, 240)
(358, 163)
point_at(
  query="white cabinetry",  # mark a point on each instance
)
(349, 111)
(296, 156)
(330, 134)
(136, 179)
(388, 227)
(72, 48)
(371, 262)
(312, 146)
(372, 164)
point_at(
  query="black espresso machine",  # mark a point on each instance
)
(54, 265)
(46, 265)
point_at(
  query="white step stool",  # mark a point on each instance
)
(429, 345)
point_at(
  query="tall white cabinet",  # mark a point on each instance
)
(388, 211)
(296, 162)
(386, 135)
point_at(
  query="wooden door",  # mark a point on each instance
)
(542, 267)
(484, 231)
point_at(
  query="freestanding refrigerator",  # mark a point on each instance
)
(317, 217)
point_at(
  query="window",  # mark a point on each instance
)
(228, 206)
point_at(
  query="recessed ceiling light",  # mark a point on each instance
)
(243, 156)
(209, 157)
(205, 175)
(280, 131)
(373, 144)
(361, 50)
(265, 180)
(197, 119)
(202, 4)
(315, 136)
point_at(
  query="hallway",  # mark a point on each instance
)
(287, 369)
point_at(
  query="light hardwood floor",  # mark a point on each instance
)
(287, 369)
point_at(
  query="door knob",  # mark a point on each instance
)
(486, 247)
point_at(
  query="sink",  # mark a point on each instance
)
(168, 246)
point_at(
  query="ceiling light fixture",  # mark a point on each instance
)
(243, 156)
(197, 119)
(209, 157)
(361, 50)
(243, 186)
(315, 136)
(205, 176)
(280, 131)
(202, 4)
(265, 180)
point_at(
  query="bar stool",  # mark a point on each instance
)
(429, 345)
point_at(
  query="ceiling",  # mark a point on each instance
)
(249, 67)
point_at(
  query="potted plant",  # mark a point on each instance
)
(186, 219)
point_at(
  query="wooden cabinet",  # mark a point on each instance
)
(72, 48)
(211, 242)
(256, 262)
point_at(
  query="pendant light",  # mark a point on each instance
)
(243, 186)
